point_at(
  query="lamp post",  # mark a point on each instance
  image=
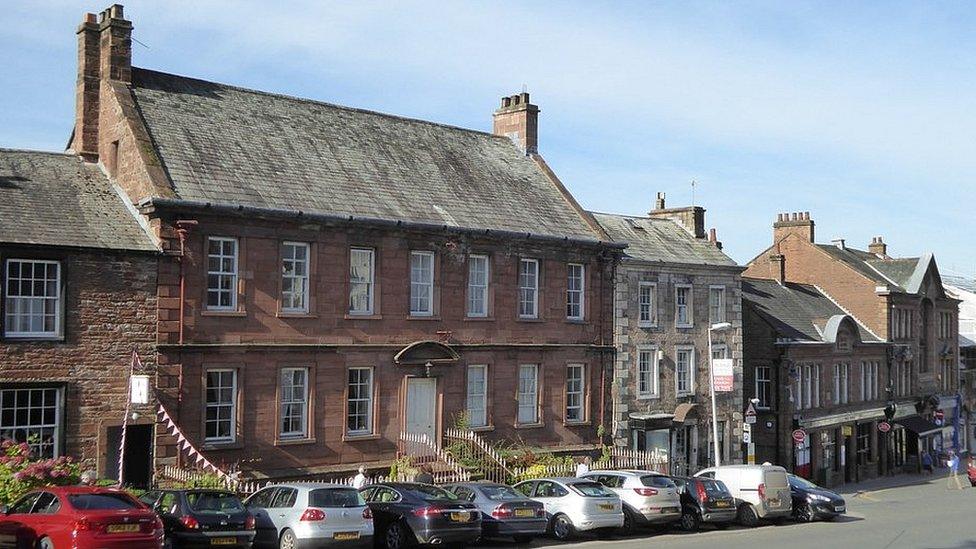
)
(718, 327)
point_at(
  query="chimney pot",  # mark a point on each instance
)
(518, 119)
(878, 247)
(798, 223)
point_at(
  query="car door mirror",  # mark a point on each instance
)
(4, 509)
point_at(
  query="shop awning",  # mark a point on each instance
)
(650, 421)
(919, 425)
(683, 410)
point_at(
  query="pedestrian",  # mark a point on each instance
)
(971, 471)
(927, 462)
(424, 475)
(583, 466)
(953, 475)
(359, 481)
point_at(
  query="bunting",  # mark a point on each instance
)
(128, 403)
(185, 445)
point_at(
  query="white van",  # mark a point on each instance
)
(761, 491)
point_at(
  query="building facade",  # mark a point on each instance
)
(672, 285)
(897, 300)
(337, 277)
(78, 297)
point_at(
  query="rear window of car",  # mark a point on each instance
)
(214, 502)
(335, 497)
(714, 487)
(657, 481)
(591, 489)
(432, 493)
(500, 493)
(102, 502)
(777, 479)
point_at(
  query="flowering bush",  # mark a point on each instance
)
(20, 471)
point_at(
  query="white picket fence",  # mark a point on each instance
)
(492, 464)
(620, 458)
(421, 449)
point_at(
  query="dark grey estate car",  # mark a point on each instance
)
(504, 512)
(407, 513)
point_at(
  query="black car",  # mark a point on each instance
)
(704, 500)
(811, 502)
(407, 513)
(202, 518)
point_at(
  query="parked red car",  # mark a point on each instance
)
(80, 517)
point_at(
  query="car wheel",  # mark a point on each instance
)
(630, 523)
(747, 516)
(803, 513)
(167, 542)
(287, 540)
(562, 528)
(45, 543)
(690, 522)
(396, 536)
(522, 539)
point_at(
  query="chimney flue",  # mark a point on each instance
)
(659, 202)
(777, 266)
(793, 223)
(878, 247)
(518, 119)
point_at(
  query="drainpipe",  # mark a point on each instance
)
(182, 231)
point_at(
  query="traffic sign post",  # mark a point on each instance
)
(799, 436)
(884, 426)
(750, 415)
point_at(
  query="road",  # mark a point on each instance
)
(920, 515)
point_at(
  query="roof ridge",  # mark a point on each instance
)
(323, 103)
(35, 151)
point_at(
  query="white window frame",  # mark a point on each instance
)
(764, 386)
(286, 402)
(477, 400)
(722, 306)
(528, 293)
(478, 289)
(368, 400)
(300, 280)
(8, 303)
(233, 275)
(689, 306)
(528, 400)
(579, 293)
(232, 405)
(648, 371)
(650, 306)
(35, 400)
(417, 283)
(841, 383)
(690, 390)
(578, 392)
(368, 282)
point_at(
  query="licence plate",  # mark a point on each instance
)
(607, 506)
(122, 528)
(524, 513)
(460, 516)
(774, 502)
(840, 508)
(223, 541)
(721, 504)
(342, 536)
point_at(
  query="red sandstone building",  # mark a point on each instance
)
(338, 276)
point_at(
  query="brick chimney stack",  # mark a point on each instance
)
(692, 218)
(798, 223)
(659, 203)
(878, 247)
(518, 119)
(777, 268)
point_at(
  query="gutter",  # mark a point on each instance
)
(151, 205)
(337, 346)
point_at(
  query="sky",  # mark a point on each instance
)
(862, 113)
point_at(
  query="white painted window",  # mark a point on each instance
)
(575, 393)
(294, 403)
(221, 273)
(421, 283)
(528, 288)
(359, 406)
(647, 304)
(361, 275)
(869, 380)
(684, 371)
(683, 314)
(294, 277)
(575, 283)
(477, 285)
(528, 394)
(716, 304)
(719, 351)
(33, 415)
(221, 405)
(478, 395)
(808, 386)
(33, 299)
(840, 383)
(764, 384)
(648, 374)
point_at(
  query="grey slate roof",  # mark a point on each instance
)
(226, 145)
(55, 199)
(796, 311)
(660, 240)
(900, 273)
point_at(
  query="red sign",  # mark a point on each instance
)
(884, 426)
(799, 436)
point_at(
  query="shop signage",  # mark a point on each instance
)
(724, 374)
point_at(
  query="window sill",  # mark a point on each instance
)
(647, 326)
(479, 319)
(530, 320)
(357, 438)
(286, 314)
(235, 445)
(348, 316)
(577, 423)
(236, 314)
(684, 326)
(420, 317)
(294, 441)
(530, 425)
(648, 397)
(482, 429)
(32, 339)
(578, 321)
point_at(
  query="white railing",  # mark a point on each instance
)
(491, 463)
(420, 448)
(619, 458)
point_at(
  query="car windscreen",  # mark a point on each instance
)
(335, 497)
(714, 488)
(432, 493)
(214, 502)
(591, 489)
(802, 483)
(657, 481)
(500, 493)
(102, 502)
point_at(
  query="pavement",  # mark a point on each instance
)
(907, 511)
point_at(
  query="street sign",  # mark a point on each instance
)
(799, 436)
(847, 430)
(746, 437)
(750, 415)
(139, 389)
(884, 426)
(724, 374)
(746, 428)
(939, 416)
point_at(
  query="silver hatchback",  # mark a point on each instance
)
(575, 504)
(309, 516)
(648, 497)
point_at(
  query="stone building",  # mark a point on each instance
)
(811, 367)
(78, 295)
(898, 300)
(342, 276)
(673, 283)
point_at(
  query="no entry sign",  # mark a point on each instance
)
(884, 426)
(799, 436)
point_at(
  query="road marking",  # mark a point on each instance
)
(900, 534)
(864, 495)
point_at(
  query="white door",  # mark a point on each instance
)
(422, 406)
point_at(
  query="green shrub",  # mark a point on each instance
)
(20, 471)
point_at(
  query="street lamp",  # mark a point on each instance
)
(718, 327)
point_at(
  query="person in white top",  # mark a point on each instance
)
(359, 481)
(583, 466)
